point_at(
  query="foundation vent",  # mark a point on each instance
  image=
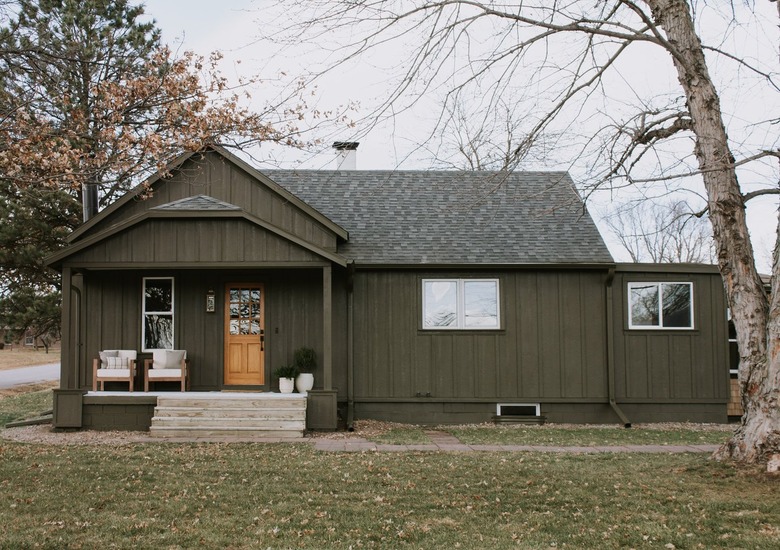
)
(526, 413)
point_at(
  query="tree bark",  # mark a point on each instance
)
(757, 331)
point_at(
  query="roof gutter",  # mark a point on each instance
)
(610, 350)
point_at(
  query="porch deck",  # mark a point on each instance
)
(198, 414)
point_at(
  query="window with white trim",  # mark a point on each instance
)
(157, 323)
(453, 304)
(660, 305)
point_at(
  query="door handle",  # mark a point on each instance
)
(262, 340)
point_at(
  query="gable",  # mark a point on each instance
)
(193, 242)
(224, 180)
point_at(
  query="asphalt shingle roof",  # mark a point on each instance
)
(448, 217)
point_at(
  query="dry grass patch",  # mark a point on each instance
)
(16, 358)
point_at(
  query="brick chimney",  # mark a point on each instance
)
(346, 154)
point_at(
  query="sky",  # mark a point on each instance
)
(233, 27)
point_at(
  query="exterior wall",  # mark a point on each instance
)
(112, 318)
(673, 366)
(573, 413)
(193, 241)
(551, 346)
(551, 349)
(216, 177)
(118, 413)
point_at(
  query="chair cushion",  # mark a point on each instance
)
(104, 355)
(116, 363)
(113, 373)
(164, 373)
(129, 354)
(168, 358)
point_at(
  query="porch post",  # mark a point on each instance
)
(327, 328)
(67, 399)
(67, 345)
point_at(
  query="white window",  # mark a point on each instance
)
(451, 304)
(157, 324)
(660, 305)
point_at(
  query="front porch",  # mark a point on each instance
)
(197, 414)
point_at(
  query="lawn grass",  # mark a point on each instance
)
(291, 496)
(552, 435)
(18, 404)
(590, 435)
(404, 435)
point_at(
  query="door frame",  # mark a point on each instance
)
(226, 335)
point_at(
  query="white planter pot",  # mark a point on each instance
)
(304, 382)
(286, 385)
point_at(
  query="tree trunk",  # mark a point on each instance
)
(759, 434)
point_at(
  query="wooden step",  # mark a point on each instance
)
(259, 423)
(221, 412)
(250, 415)
(205, 433)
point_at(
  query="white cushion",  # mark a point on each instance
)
(126, 354)
(104, 355)
(129, 354)
(116, 363)
(168, 358)
(164, 373)
(113, 373)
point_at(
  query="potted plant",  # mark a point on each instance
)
(305, 360)
(286, 375)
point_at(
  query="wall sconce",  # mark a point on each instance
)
(210, 301)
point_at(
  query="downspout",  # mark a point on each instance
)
(350, 340)
(611, 352)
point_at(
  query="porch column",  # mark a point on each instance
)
(67, 333)
(327, 328)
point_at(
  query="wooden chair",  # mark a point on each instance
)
(114, 365)
(167, 365)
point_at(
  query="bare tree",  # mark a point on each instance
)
(662, 233)
(561, 60)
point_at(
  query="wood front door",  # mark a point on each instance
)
(244, 334)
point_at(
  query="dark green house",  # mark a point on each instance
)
(429, 297)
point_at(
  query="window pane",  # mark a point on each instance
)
(440, 303)
(677, 305)
(644, 305)
(158, 332)
(158, 295)
(481, 301)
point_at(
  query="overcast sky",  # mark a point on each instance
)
(232, 26)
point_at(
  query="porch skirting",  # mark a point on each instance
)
(134, 411)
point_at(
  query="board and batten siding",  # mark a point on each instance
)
(672, 366)
(551, 344)
(216, 177)
(194, 241)
(112, 317)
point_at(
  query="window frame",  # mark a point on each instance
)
(145, 313)
(659, 285)
(460, 303)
